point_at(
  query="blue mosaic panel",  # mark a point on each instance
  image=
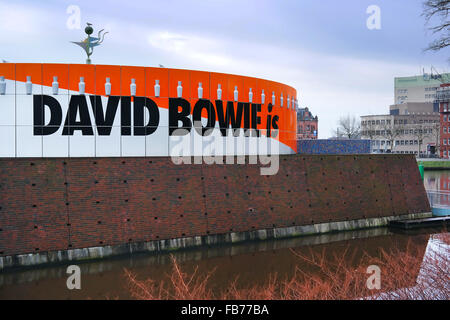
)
(333, 146)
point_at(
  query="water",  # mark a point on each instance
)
(251, 262)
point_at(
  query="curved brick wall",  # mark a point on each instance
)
(58, 204)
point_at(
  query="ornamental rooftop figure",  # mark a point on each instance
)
(89, 43)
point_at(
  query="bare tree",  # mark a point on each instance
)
(420, 132)
(391, 133)
(436, 134)
(438, 10)
(348, 127)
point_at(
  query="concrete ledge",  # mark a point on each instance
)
(95, 253)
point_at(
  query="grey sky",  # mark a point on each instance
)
(322, 48)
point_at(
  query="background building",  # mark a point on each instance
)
(442, 100)
(307, 124)
(420, 88)
(409, 128)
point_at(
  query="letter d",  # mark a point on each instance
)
(39, 103)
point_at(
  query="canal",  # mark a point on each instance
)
(252, 263)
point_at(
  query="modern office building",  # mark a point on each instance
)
(409, 128)
(307, 124)
(420, 88)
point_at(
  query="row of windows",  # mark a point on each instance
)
(429, 96)
(398, 132)
(402, 91)
(407, 142)
(431, 89)
(399, 121)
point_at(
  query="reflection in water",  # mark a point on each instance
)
(437, 180)
(252, 262)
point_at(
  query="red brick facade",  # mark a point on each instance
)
(307, 124)
(56, 204)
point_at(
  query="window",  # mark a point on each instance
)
(411, 142)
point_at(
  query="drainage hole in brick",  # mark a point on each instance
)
(181, 216)
(152, 180)
(178, 179)
(183, 234)
(101, 242)
(124, 181)
(126, 200)
(70, 246)
(156, 218)
(33, 184)
(35, 227)
(31, 164)
(206, 213)
(153, 199)
(34, 206)
(67, 203)
(37, 249)
(99, 222)
(179, 197)
(130, 240)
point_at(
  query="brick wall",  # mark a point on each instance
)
(57, 204)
